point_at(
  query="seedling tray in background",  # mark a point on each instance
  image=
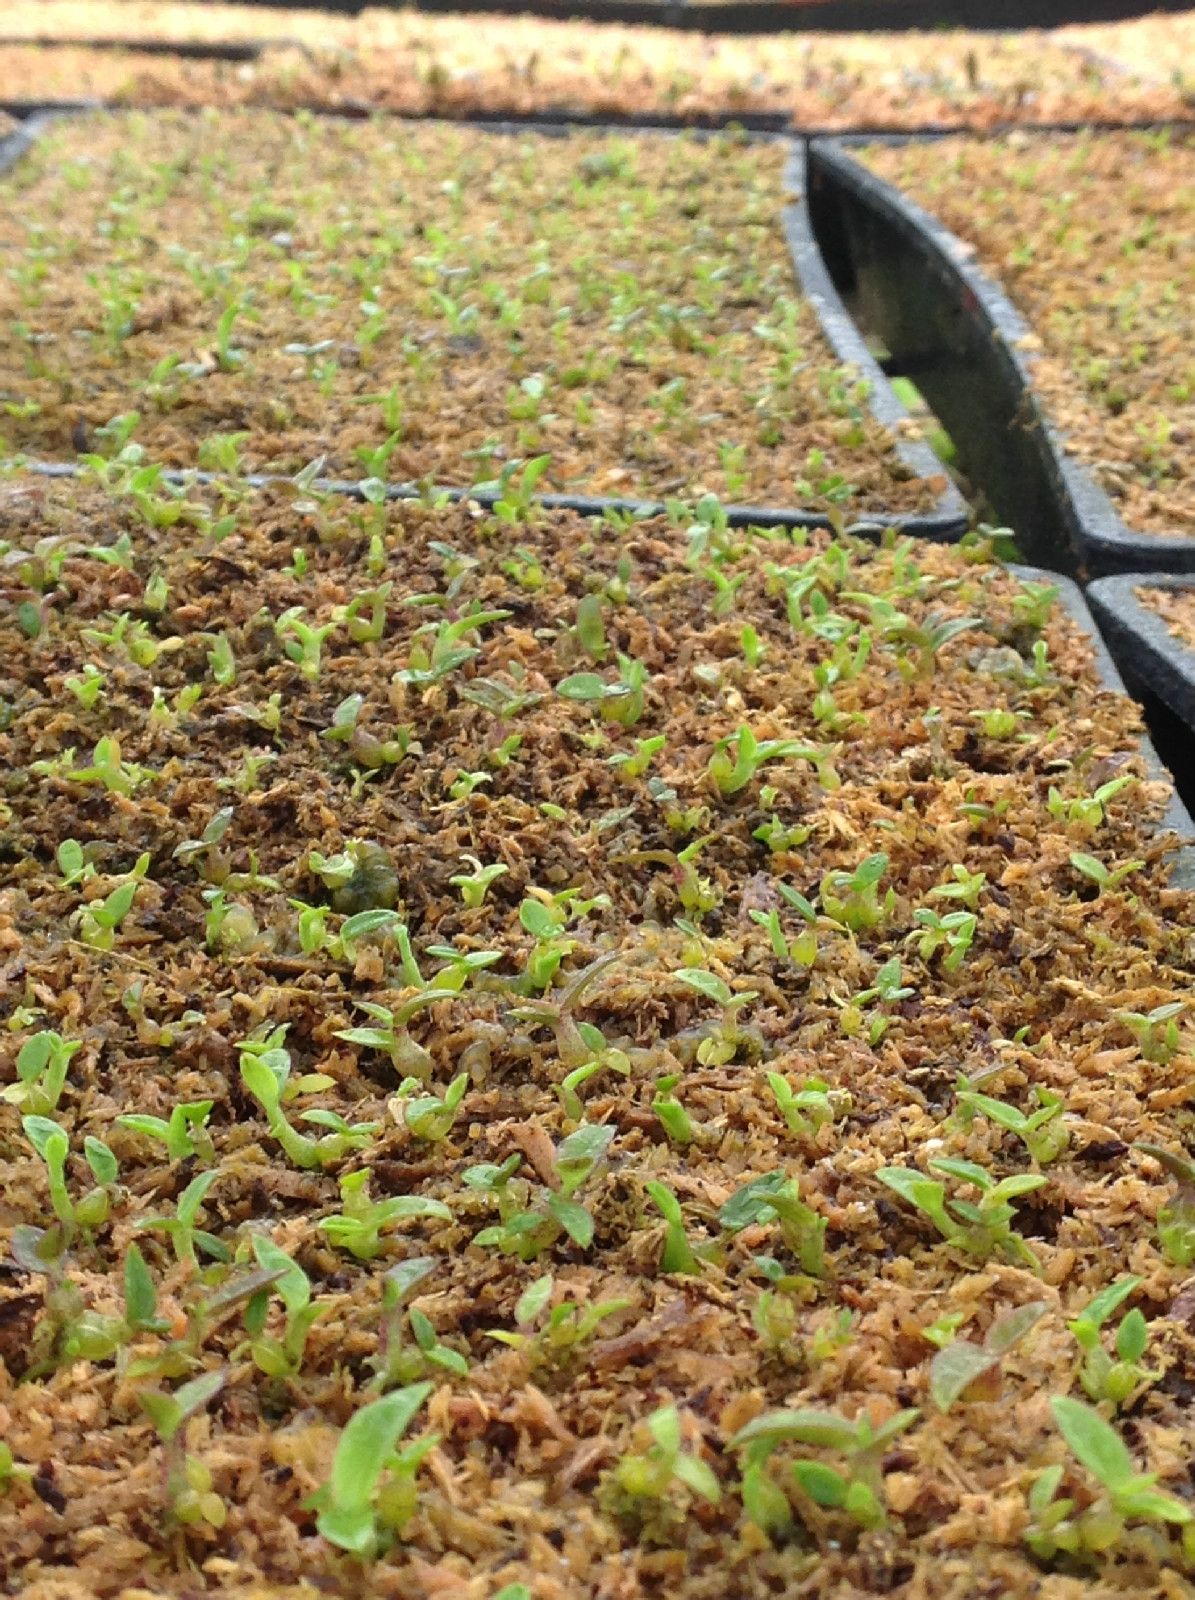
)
(772, 16)
(1157, 665)
(959, 337)
(947, 519)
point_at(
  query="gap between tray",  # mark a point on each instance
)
(947, 522)
(921, 283)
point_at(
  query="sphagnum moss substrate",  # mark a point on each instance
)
(422, 301)
(568, 1058)
(1090, 233)
(1176, 607)
(415, 63)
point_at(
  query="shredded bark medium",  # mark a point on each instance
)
(463, 299)
(484, 761)
(1091, 235)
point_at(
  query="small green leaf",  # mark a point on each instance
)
(1093, 1442)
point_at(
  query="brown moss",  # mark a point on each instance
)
(510, 1492)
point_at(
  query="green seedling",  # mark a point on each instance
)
(264, 1072)
(372, 1492)
(189, 1493)
(364, 617)
(965, 1371)
(636, 1490)
(888, 988)
(53, 1146)
(221, 660)
(1103, 1378)
(852, 899)
(1128, 1496)
(1034, 606)
(674, 1119)
(545, 918)
(184, 1135)
(524, 1230)
(204, 853)
(99, 921)
(427, 1116)
(1043, 1132)
(858, 1490)
(722, 1044)
(390, 1034)
(88, 688)
(636, 765)
(185, 1237)
(568, 1329)
(1176, 1221)
(14, 1471)
(981, 1230)
(920, 644)
(954, 932)
(589, 629)
(437, 649)
(1086, 812)
(776, 1198)
(107, 769)
(814, 1105)
(999, 723)
(801, 951)
(361, 877)
(1103, 877)
(228, 357)
(73, 864)
(738, 757)
(1156, 1031)
(303, 642)
(966, 887)
(395, 1362)
(229, 925)
(280, 1355)
(676, 1254)
(357, 1227)
(474, 886)
(780, 837)
(621, 701)
(42, 1063)
(467, 783)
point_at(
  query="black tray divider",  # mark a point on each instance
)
(791, 16)
(1176, 817)
(935, 306)
(187, 49)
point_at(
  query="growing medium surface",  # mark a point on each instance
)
(1091, 235)
(404, 61)
(411, 301)
(479, 989)
(1176, 607)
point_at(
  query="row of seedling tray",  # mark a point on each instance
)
(551, 1044)
(699, 394)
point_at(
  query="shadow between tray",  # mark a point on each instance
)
(926, 282)
(946, 522)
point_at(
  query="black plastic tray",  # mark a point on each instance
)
(1102, 595)
(948, 520)
(1158, 667)
(959, 336)
(189, 49)
(790, 16)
